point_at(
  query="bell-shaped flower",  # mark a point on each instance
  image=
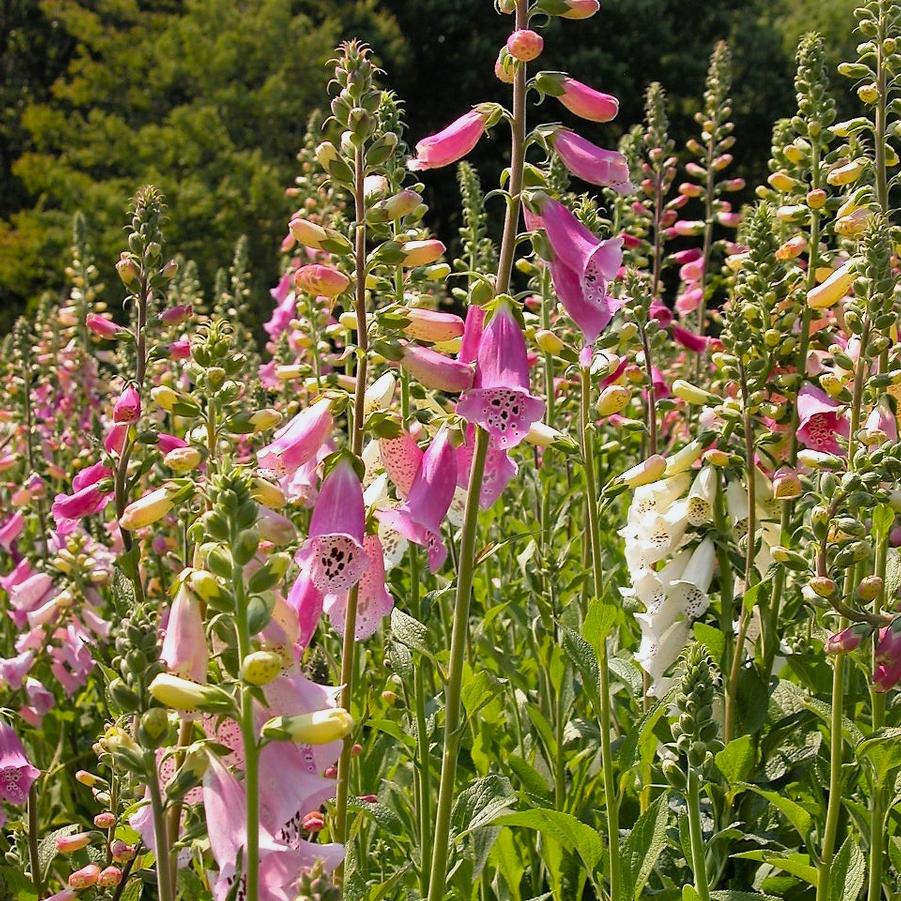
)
(374, 601)
(582, 267)
(819, 421)
(298, 442)
(333, 554)
(655, 536)
(657, 497)
(11, 529)
(591, 163)
(659, 651)
(578, 98)
(500, 470)
(473, 326)
(185, 650)
(451, 143)
(701, 496)
(432, 325)
(13, 670)
(128, 406)
(401, 458)
(690, 589)
(17, 774)
(306, 601)
(501, 401)
(434, 370)
(91, 492)
(419, 518)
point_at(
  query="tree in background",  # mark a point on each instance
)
(209, 99)
(206, 98)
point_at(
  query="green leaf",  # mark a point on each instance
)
(532, 781)
(410, 632)
(571, 833)
(731, 895)
(689, 893)
(480, 688)
(627, 672)
(794, 812)
(849, 868)
(794, 862)
(481, 803)
(506, 858)
(639, 733)
(736, 760)
(585, 661)
(883, 750)
(712, 639)
(599, 622)
(642, 848)
(883, 519)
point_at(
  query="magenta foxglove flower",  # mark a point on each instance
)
(17, 774)
(472, 334)
(280, 865)
(299, 441)
(450, 144)
(185, 650)
(500, 469)
(89, 494)
(103, 327)
(306, 601)
(11, 529)
(419, 518)
(578, 98)
(688, 339)
(168, 443)
(592, 163)
(582, 267)
(13, 670)
(501, 401)
(374, 601)
(819, 422)
(115, 438)
(848, 639)
(434, 370)
(401, 457)
(128, 405)
(333, 554)
(887, 672)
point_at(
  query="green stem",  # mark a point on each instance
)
(594, 535)
(34, 856)
(696, 835)
(452, 716)
(251, 746)
(348, 650)
(163, 874)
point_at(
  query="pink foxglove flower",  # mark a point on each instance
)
(887, 672)
(16, 771)
(13, 670)
(591, 163)
(306, 601)
(11, 530)
(333, 554)
(819, 421)
(401, 457)
(128, 405)
(103, 327)
(374, 601)
(578, 98)
(185, 650)
(90, 495)
(473, 327)
(419, 518)
(582, 267)
(432, 325)
(321, 280)
(501, 401)
(434, 370)
(298, 441)
(450, 144)
(500, 470)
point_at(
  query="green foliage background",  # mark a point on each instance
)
(208, 99)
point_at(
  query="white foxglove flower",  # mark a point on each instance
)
(684, 459)
(379, 394)
(372, 461)
(658, 497)
(376, 494)
(655, 536)
(737, 507)
(691, 589)
(394, 545)
(657, 654)
(457, 508)
(702, 496)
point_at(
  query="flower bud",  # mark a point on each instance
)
(421, 253)
(321, 280)
(525, 44)
(164, 397)
(261, 667)
(105, 820)
(69, 844)
(869, 588)
(786, 484)
(613, 399)
(833, 289)
(127, 270)
(823, 586)
(267, 494)
(147, 510)
(109, 877)
(85, 877)
(548, 342)
(692, 394)
(183, 694)
(649, 470)
(182, 459)
(317, 728)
